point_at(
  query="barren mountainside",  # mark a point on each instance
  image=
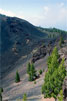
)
(18, 38)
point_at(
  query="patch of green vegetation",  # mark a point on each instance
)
(54, 77)
(60, 97)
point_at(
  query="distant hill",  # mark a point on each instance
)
(53, 31)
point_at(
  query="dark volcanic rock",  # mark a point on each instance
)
(40, 53)
(18, 38)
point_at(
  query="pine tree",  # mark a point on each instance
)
(53, 59)
(17, 78)
(49, 61)
(61, 70)
(31, 72)
(30, 76)
(54, 77)
(55, 52)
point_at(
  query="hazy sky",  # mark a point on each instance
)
(45, 13)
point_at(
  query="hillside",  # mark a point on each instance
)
(53, 32)
(18, 38)
(14, 91)
(22, 42)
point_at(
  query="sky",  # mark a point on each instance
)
(44, 13)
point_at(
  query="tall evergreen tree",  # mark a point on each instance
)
(55, 75)
(53, 59)
(61, 70)
(55, 52)
(17, 78)
(31, 72)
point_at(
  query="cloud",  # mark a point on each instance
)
(46, 9)
(52, 16)
(8, 13)
(61, 4)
